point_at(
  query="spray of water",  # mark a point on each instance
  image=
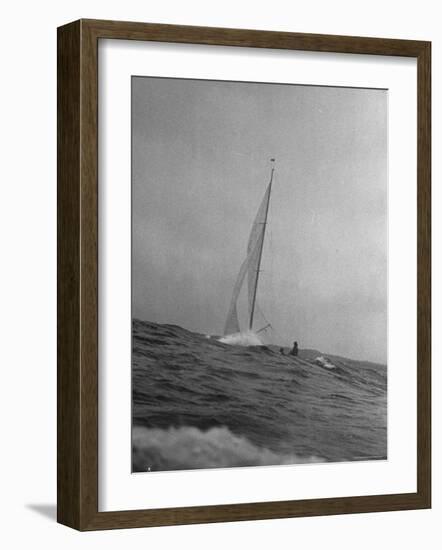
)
(248, 338)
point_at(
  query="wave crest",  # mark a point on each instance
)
(188, 448)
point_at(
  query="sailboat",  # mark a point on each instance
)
(250, 268)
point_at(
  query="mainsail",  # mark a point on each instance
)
(251, 264)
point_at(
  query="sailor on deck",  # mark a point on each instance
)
(294, 350)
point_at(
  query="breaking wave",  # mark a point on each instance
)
(188, 448)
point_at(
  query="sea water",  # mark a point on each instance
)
(202, 403)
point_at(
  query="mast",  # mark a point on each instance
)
(252, 312)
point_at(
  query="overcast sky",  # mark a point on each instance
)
(201, 153)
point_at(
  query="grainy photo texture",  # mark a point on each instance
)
(259, 274)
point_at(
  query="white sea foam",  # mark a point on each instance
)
(191, 448)
(248, 338)
(324, 362)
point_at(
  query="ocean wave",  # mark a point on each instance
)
(189, 448)
(206, 404)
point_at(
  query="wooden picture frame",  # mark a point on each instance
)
(77, 461)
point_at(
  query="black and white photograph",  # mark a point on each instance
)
(220, 272)
(259, 274)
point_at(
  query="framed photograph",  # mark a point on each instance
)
(243, 274)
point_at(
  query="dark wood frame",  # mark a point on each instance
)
(77, 222)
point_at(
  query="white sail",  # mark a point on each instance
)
(254, 251)
(232, 322)
(250, 266)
